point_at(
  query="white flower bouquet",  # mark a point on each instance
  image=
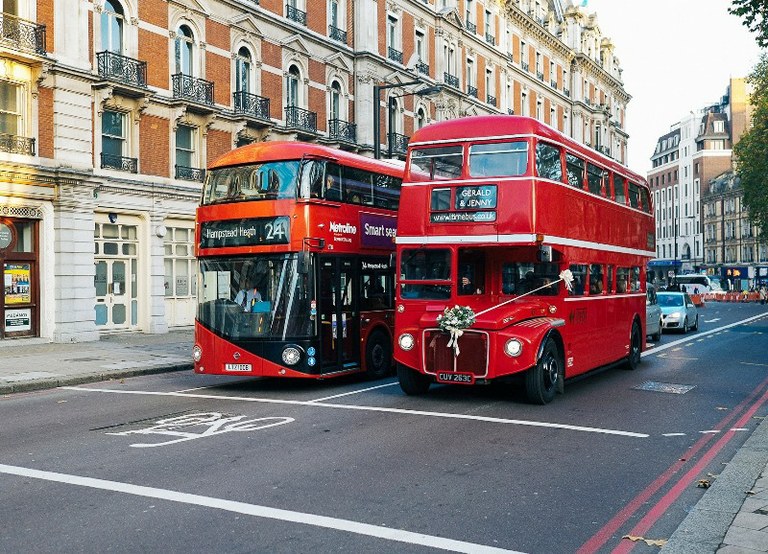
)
(454, 321)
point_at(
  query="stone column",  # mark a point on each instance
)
(158, 323)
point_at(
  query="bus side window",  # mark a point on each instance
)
(619, 189)
(579, 272)
(594, 178)
(609, 279)
(595, 279)
(622, 280)
(634, 195)
(575, 169)
(549, 164)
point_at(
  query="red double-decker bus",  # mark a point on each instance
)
(295, 244)
(498, 208)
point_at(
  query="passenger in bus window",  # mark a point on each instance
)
(332, 188)
(466, 286)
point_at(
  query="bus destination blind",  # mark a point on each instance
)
(244, 232)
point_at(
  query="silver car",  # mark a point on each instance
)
(652, 313)
(678, 311)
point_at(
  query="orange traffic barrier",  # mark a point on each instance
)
(697, 299)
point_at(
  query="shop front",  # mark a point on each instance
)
(19, 271)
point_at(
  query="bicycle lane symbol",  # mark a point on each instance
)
(215, 423)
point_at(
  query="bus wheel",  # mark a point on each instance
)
(541, 381)
(378, 356)
(412, 382)
(635, 347)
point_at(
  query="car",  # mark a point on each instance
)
(652, 313)
(678, 311)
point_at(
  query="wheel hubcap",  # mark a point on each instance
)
(551, 371)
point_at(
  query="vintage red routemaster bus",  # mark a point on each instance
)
(499, 207)
(295, 244)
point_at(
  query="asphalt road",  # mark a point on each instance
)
(184, 463)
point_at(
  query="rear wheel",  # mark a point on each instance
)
(541, 380)
(657, 336)
(378, 356)
(635, 346)
(696, 323)
(685, 325)
(412, 382)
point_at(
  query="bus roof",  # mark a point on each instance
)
(499, 126)
(271, 151)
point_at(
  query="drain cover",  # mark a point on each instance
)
(671, 388)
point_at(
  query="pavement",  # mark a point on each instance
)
(730, 518)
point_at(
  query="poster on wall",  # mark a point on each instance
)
(18, 320)
(17, 279)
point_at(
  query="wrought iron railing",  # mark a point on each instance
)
(190, 173)
(553, 83)
(17, 145)
(295, 14)
(394, 55)
(114, 66)
(120, 163)
(472, 91)
(20, 34)
(540, 76)
(337, 34)
(251, 104)
(491, 100)
(567, 92)
(490, 39)
(398, 144)
(342, 130)
(451, 80)
(299, 118)
(422, 68)
(186, 87)
(510, 111)
(471, 27)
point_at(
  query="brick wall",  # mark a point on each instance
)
(155, 147)
(45, 17)
(45, 122)
(219, 143)
(217, 70)
(154, 12)
(153, 49)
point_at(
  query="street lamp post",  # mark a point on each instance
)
(377, 105)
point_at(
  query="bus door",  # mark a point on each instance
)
(339, 315)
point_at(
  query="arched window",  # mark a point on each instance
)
(243, 67)
(421, 118)
(185, 42)
(112, 18)
(292, 87)
(336, 101)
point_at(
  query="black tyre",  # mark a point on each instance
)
(696, 323)
(685, 326)
(657, 336)
(378, 356)
(635, 346)
(541, 381)
(412, 382)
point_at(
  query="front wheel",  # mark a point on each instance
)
(656, 337)
(696, 323)
(542, 379)
(378, 355)
(685, 325)
(412, 382)
(635, 346)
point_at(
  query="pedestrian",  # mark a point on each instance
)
(763, 295)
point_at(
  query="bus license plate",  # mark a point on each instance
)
(237, 367)
(460, 378)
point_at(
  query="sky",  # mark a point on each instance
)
(676, 56)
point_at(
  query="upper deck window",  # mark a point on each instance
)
(436, 164)
(267, 181)
(575, 168)
(498, 159)
(634, 195)
(548, 163)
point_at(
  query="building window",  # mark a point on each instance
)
(292, 87)
(421, 118)
(113, 139)
(11, 96)
(185, 146)
(392, 41)
(421, 51)
(335, 100)
(180, 266)
(112, 18)
(184, 48)
(243, 71)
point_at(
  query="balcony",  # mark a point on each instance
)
(116, 67)
(491, 100)
(190, 173)
(490, 39)
(301, 119)
(471, 27)
(472, 91)
(251, 105)
(394, 55)
(120, 163)
(422, 68)
(186, 87)
(341, 130)
(337, 34)
(451, 80)
(17, 145)
(295, 14)
(398, 144)
(23, 35)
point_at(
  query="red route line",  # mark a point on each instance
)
(603, 535)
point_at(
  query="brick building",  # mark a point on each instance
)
(112, 109)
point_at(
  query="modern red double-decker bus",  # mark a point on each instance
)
(499, 207)
(295, 244)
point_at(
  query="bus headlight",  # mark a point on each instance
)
(513, 348)
(406, 341)
(197, 353)
(291, 355)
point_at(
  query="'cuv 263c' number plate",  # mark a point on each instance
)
(451, 377)
(237, 367)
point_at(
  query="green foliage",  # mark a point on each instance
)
(755, 15)
(751, 152)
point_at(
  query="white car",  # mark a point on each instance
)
(652, 313)
(678, 311)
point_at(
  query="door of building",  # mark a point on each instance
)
(20, 300)
(116, 276)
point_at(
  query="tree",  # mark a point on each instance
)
(751, 152)
(755, 14)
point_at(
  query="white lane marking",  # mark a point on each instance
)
(315, 404)
(698, 335)
(739, 429)
(673, 434)
(255, 510)
(710, 432)
(711, 320)
(354, 392)
(200, 388)
(753, 363)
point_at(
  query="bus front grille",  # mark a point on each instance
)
(472, 358)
